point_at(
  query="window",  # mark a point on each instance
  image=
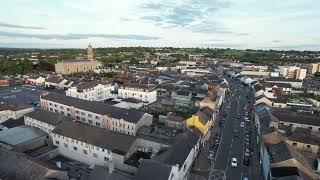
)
(97, 124)
(85, 152)
(68, 109)
(55, 105)
(62, 112)
(310, 127)
(97, 117)
(75, 148)
(65, 145)
(77, 117)
(69, 115)
(98, 149)
(57, 142)
(123, 125)
(308, 146)
(89, 115)
(128, 126)
(51, 109)
(77, 111)
(82, 119)
(95, 155)
(56, 111)
(106, 159)
(82, 113)
(61, 107)
(294, 144)
(90, 121)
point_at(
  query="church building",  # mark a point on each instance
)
(78, 65)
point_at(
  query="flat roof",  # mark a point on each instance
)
(20, 134)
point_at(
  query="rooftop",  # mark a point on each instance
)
(20, 134)
(103, 138)
(48, 117)
(96, 107)
(150, 169)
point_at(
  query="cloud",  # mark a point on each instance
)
(19, 26)
(77, 36)
(195, 15)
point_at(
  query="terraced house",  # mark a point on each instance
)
(96, 113)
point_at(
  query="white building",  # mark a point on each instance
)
(40, 119)
(175, 163)
(292, 72)
(92, 91)
(196, 71)
(94, 146)
(13, 111)
(96, 113)
(139, 92)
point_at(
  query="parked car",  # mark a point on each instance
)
(246, 161)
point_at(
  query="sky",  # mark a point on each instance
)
(238, 24)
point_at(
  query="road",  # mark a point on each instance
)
(230, 146)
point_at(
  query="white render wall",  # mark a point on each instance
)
(98, 120)
(98, 93)
(38, 124)
(95, 155)
(139, 94)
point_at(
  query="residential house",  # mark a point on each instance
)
(94, 146)
(295, 83)
(14, 111)
(96, 113)
(138, 91)
(182, 98)
(44, 120)
(92, 91)
(202, 120)
(35, 80)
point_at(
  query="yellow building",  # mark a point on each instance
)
(202, 120)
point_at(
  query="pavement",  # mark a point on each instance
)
(230, 146)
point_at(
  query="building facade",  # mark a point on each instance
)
(78, 65)
(138, 92)
(96, 113)
(92, 91)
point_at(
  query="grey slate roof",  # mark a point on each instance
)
(282, 79)
(180, 150)
(205, 115)
(132, 116)
(150, 169)
(11, 123)
(103, 138)
(295, 117)
(48, 117)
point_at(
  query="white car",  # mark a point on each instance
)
(242, 124)
(234, 162)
